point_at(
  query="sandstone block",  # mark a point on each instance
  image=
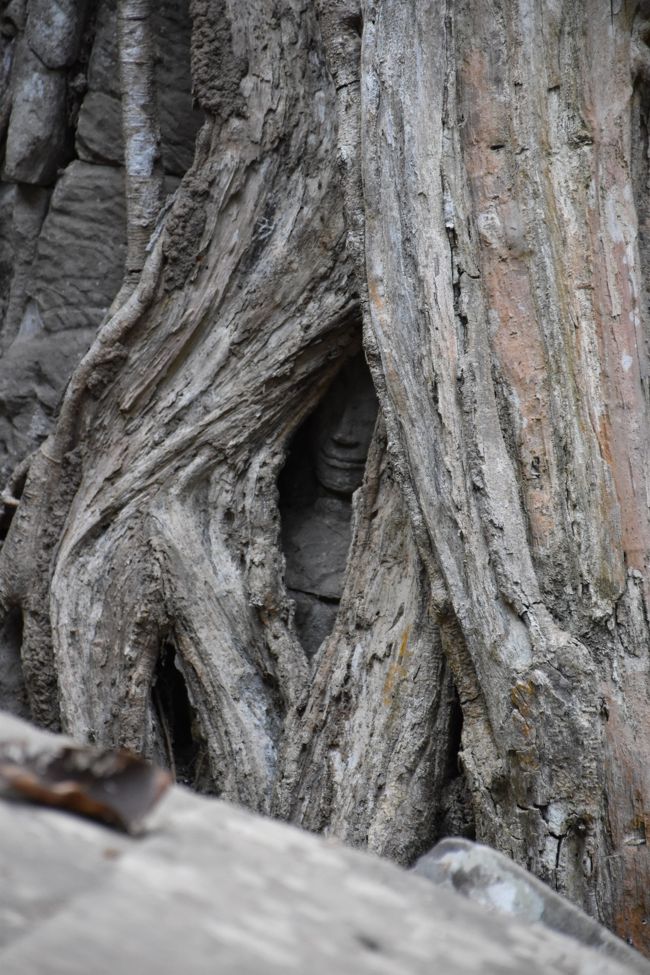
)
(37, 134)
(81, 249)
(54, 29)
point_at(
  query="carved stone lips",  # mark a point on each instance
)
(342, 461)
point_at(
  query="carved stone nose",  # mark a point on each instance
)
(346, 432)
(345, 438)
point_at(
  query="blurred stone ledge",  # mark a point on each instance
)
(210, 887)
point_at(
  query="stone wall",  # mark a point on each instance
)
(62, 208)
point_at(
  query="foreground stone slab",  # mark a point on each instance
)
(213, 888)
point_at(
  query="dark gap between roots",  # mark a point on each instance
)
(13, 693)
(7, 511)
(180, 738)
(457, 812)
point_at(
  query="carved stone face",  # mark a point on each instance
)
(343, 425)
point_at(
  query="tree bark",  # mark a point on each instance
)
(465, 183)
(510, 334)
(140, 129)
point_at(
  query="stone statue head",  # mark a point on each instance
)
(343, 426)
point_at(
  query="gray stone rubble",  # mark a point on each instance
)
(490, 879)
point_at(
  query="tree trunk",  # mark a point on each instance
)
(466, 184)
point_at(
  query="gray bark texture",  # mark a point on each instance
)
(461, 188)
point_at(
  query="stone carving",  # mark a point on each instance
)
(324, 468)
